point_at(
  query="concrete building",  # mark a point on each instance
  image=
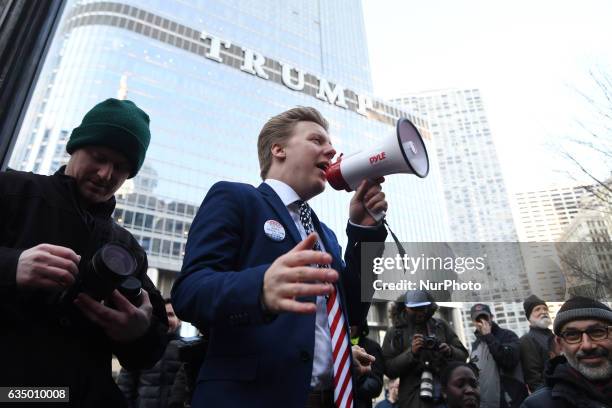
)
(542, 216)
(475, 195)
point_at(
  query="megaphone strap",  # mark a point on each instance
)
(400, 248)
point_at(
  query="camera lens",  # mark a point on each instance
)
(131, 289)
(105, 272)
(118, 260)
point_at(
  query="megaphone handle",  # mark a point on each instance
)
(377, 215)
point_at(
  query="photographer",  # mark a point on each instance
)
(63, 316)
(417, 348)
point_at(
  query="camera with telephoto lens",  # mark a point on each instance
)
(427, 383)
(112, 267)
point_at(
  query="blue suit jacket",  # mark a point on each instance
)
(252, 360)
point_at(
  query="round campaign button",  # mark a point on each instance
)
(274, 230)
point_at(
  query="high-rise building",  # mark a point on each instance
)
(475, 195)
(542, 215)
(210, 73)
(472, 179)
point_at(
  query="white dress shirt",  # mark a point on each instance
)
(322, 363)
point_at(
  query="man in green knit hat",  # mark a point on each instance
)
(61, 326)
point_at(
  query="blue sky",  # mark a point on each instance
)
(529, 59)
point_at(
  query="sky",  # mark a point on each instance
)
(530, 59)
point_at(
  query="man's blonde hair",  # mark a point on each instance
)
(279, 128)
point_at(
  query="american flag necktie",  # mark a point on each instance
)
(341, 349)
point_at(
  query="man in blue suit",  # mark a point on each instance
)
(262, 287)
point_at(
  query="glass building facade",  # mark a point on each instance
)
(210, 74)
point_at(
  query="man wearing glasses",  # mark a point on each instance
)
(582, 376)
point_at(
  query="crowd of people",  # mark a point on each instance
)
(277, 304)
(423, 363)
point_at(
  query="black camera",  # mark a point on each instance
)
(112, 267)
(431, 343)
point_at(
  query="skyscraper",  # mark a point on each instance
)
(209, 74)
(476, 198)
(542, 216)
(475, 194)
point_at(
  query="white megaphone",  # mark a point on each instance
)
(403, 152)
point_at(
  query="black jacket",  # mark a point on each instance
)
(567, 388)
(370, 385)
(150, 388)
(535, 349)
(44, 343)
(503, 344)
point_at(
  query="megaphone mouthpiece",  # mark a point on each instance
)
(334, 176)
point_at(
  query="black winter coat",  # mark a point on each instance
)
(150, 388)
(43, 343)
(535, 349)
(567, 388)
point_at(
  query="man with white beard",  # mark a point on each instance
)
(535, 346)
(582, 375)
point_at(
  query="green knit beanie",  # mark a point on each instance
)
(118, 125)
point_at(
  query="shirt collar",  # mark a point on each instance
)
(287, 194)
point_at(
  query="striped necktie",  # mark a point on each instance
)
(341, 348)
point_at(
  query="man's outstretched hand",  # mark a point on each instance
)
(292, 275)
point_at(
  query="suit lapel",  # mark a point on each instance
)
(277, 205)
(331, 246)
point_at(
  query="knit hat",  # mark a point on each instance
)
(118, 125)
(530, 303)
(581, 308)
